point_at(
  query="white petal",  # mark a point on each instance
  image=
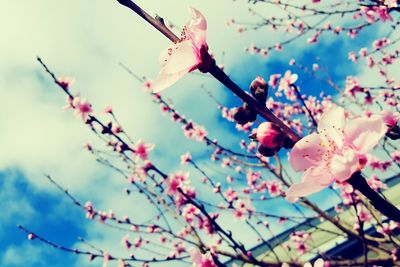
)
(178, 57)
(196, 27)
(165, 80)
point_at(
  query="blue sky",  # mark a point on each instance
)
(87, 40)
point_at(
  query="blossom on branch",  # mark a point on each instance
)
(335, 152)
(202, 260)
(184, 56)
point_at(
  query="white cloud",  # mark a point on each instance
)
(26, 253)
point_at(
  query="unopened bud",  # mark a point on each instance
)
(244, 114)
(393, 133)
(240, 115)
(259, 89)
(267, 152)
(251, 113)
(270, 135)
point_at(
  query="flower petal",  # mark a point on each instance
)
(307, 152)
(302, 189)
(314, 180)
(196, 28)
(364, 133)
(343, 166)
(331, 125)
(196, 257)
(178, 57)
(177, 60)
(165, 80)
(319, 263)
(293, 78)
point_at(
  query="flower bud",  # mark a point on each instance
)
(270, 135)
(251, 113)
(240, 115)
(393, 133)
(259, 89)
(244, 114)
(267, 152)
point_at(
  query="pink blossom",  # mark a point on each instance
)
(243, 207)
(125, 242)
(363, 214)
(82, 107)
(230, 195)
(121, 263)
(383, 13)
(108, 109)
(363, 52)
(31, 236)
(176, 181)
(141, 149)
(278, 47)
(352, 56)
(138, 242)
(273, 80)
(353, 33)
(274, 188)
(380, 43)
(106, 259)
(335, 152)
(386, 228)
(287, 80)
(328, 25)
(241, 29)
(65, 82)
(390, 118)
(185, 55)
(190, 212)
(202, 260)
(370, 62)
(186, 158)
(395, 155)
(375, 183)
(337, 29)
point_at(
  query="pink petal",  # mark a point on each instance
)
(197, 26)
(196, 257)
(301, 190)
(364, 133)
(307, 152)
(331, 125)
(343, 166)
(314, 180)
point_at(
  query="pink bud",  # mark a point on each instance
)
(31, 236)
(269, 135)
(108, 109)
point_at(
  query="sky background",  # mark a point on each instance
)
(87, 40)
